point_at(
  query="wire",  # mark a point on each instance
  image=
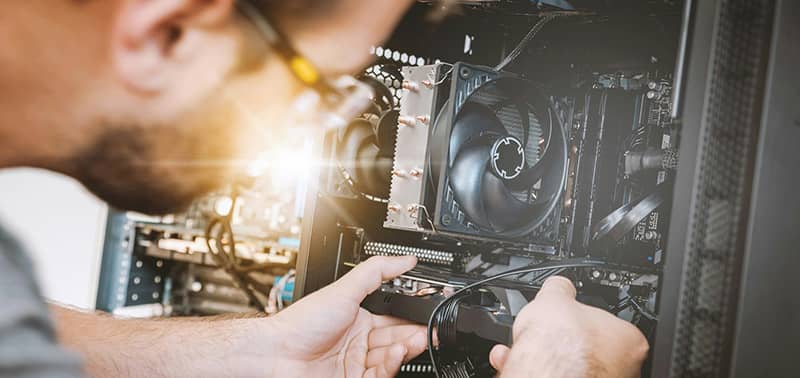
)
(221, 244)
(545, 18)
(435, 314)
(226, 257)
(446, 75)
(642, 311)
(525, 40)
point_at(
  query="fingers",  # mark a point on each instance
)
(557, 287)
(380, 321)
(380, 337)
(385, 362)
(368, 276)
(498, 356)
(412, 338)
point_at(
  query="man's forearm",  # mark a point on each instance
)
(221, 346)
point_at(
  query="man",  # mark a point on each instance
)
(144, 101)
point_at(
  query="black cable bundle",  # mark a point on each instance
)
(446, 330)
(445, 314)
(221, 244)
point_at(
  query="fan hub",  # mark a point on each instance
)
(508, 157)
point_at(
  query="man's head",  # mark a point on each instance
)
(150, 103)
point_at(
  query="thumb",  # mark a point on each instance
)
(558, 288)
(368, 276)
(498, 356)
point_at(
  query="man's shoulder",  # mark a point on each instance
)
(28, 346)
(13, 255)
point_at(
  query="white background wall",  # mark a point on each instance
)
(62, 225)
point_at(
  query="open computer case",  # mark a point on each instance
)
(645, 149)
(656, 137)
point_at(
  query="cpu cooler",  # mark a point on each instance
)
(496, 156)
(366, 146)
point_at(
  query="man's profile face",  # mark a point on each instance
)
(189, 137)
(156, 169)
(198, 104)
(152, 103)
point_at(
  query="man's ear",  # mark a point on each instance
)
(154, 40)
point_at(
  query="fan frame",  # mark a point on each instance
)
(466, 79)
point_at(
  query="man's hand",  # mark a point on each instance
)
(328, 334)
(556, 336)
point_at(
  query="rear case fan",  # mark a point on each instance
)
(365, 147)
(498, 158)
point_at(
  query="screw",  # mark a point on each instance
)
(407, 121)
(410, 86)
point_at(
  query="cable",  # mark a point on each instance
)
(525, 40)
(435, 317)
(349, 180)
(223, 256)
(221, 244)
(642, 311)
(545, 18)
(609, 230)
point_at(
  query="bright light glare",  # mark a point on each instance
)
(222, 206)
(285, 166)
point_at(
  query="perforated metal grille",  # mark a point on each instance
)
(712, 263)
(390, 76)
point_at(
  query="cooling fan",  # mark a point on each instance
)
(366, 146)
(496, 158)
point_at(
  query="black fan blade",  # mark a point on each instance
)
(359, 131)
(387, 132)
(504, 211)
(367, 170)
(466, 176)
(531, 175)
(383, 170)
(473, 120)
(358, 134)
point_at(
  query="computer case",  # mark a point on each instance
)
(727, 305)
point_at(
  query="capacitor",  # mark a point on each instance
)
(654, 86)
(650, 159)
(651, 235)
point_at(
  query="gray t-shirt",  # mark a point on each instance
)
(28, 346)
